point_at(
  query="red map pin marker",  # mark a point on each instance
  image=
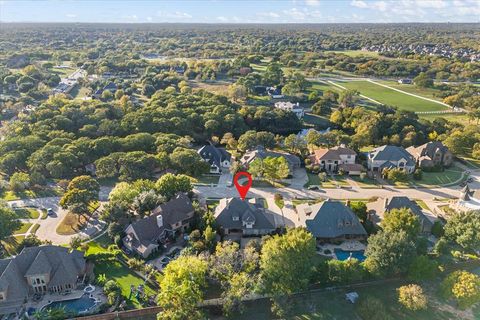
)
(242, 189)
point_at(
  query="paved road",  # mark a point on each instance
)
(48, 226)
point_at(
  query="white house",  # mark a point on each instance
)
(337, 158)
(293, 107)
(218, 158)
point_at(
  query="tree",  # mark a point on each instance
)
(169, 184)
(397, 175)
(188, 161)
(360, 209)
(322, 107)
(276, 168)
(239, 286)
(422, 268)
(295, 144)
(423, 80)
(237, 92)
(412, 297)
(401, 220)
(287, 262)
(81, 192)
(257, 168)
(8, 221)
(371, 308)
(19, 181)
(389, 252)
(464, 229)
(181, 288)
(463, 286)
(349, 98)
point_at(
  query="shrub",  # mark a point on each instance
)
(437, 229)
(417, 175)
(371, 308)
(463, 286)
(412, 297)
(422, 268)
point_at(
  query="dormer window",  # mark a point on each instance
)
(235, 218)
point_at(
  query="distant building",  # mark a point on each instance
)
(292, 107)
(331, 220)
(469, 199)
(243, 218)
(405, 81)
(145, 235)
(275, 92)
(431, 154)
(40, 270)
(390, 157)
(262, 153)
(218, 158)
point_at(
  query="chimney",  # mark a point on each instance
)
(160, 221)
(386, 202)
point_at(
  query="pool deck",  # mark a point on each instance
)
(55, 297)
(348, 245)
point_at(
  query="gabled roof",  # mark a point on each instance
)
(172, 212)
(402, 202)
(58, 262)
(213, 155)
(262, 153)
(392, 154)
(331, 219)
(427, 150)
(326, 154)
(255, 213)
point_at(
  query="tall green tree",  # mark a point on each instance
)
(464, 229)
(401, 220)
(181, 289)
(8, 221)
(81, 192)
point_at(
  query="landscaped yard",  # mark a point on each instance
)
(331, 304)
(314, 180)
(391, 97)
(118, 272)
(47, 192)
(366, 183)
(316, 120)
(23, 228)
(71, 224)
(433, 179)
(208, 179)
(27, 213)
(11, 244)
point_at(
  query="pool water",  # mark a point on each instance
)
(344, 255)
(79, 305)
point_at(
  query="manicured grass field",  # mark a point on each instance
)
(432, 179)
(366, 183)
(27, 213)
(315, 120)
(357, 53)
(71, 224)
(392, 97)
(314, 180)
(455, 117)
(411, 88)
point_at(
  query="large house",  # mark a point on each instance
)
(244, 218)
(335, 159)
(292, 107)
(261, 153)
(40, 270)
(218, 158)
(401, 202)
(469, 199)
(390, 157)
(431, 154)
(331, 220)
(145, 235)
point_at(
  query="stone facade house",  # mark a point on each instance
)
(144, 236)
(40, 270)
(334, 159)
(217, 158)
(262, 153)
(331, 220)
(431, 154)
(244, 218)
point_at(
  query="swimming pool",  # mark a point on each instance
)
(344, 255)
(79, 305)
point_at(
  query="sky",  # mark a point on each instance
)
(245, 11)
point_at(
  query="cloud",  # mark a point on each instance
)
(71, 15)
(359, 4)
(222, 19)
(312, 3)
(174, 15)
(301, 14)
(149, 19)
(268, 14)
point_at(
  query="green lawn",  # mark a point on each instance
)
(356, 53)
(410, 88)
(11, 244)
(332, 305)
(118, 272)
(366, 183)
(391, 97)
(208, 179)
(28, 194)
(432, 179)
(23, 228)
(315, 120)
(455, 117)
(314, 180)
(27, 213)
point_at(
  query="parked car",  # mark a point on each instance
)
(50, 212)
(165, 261)
(313, 188)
